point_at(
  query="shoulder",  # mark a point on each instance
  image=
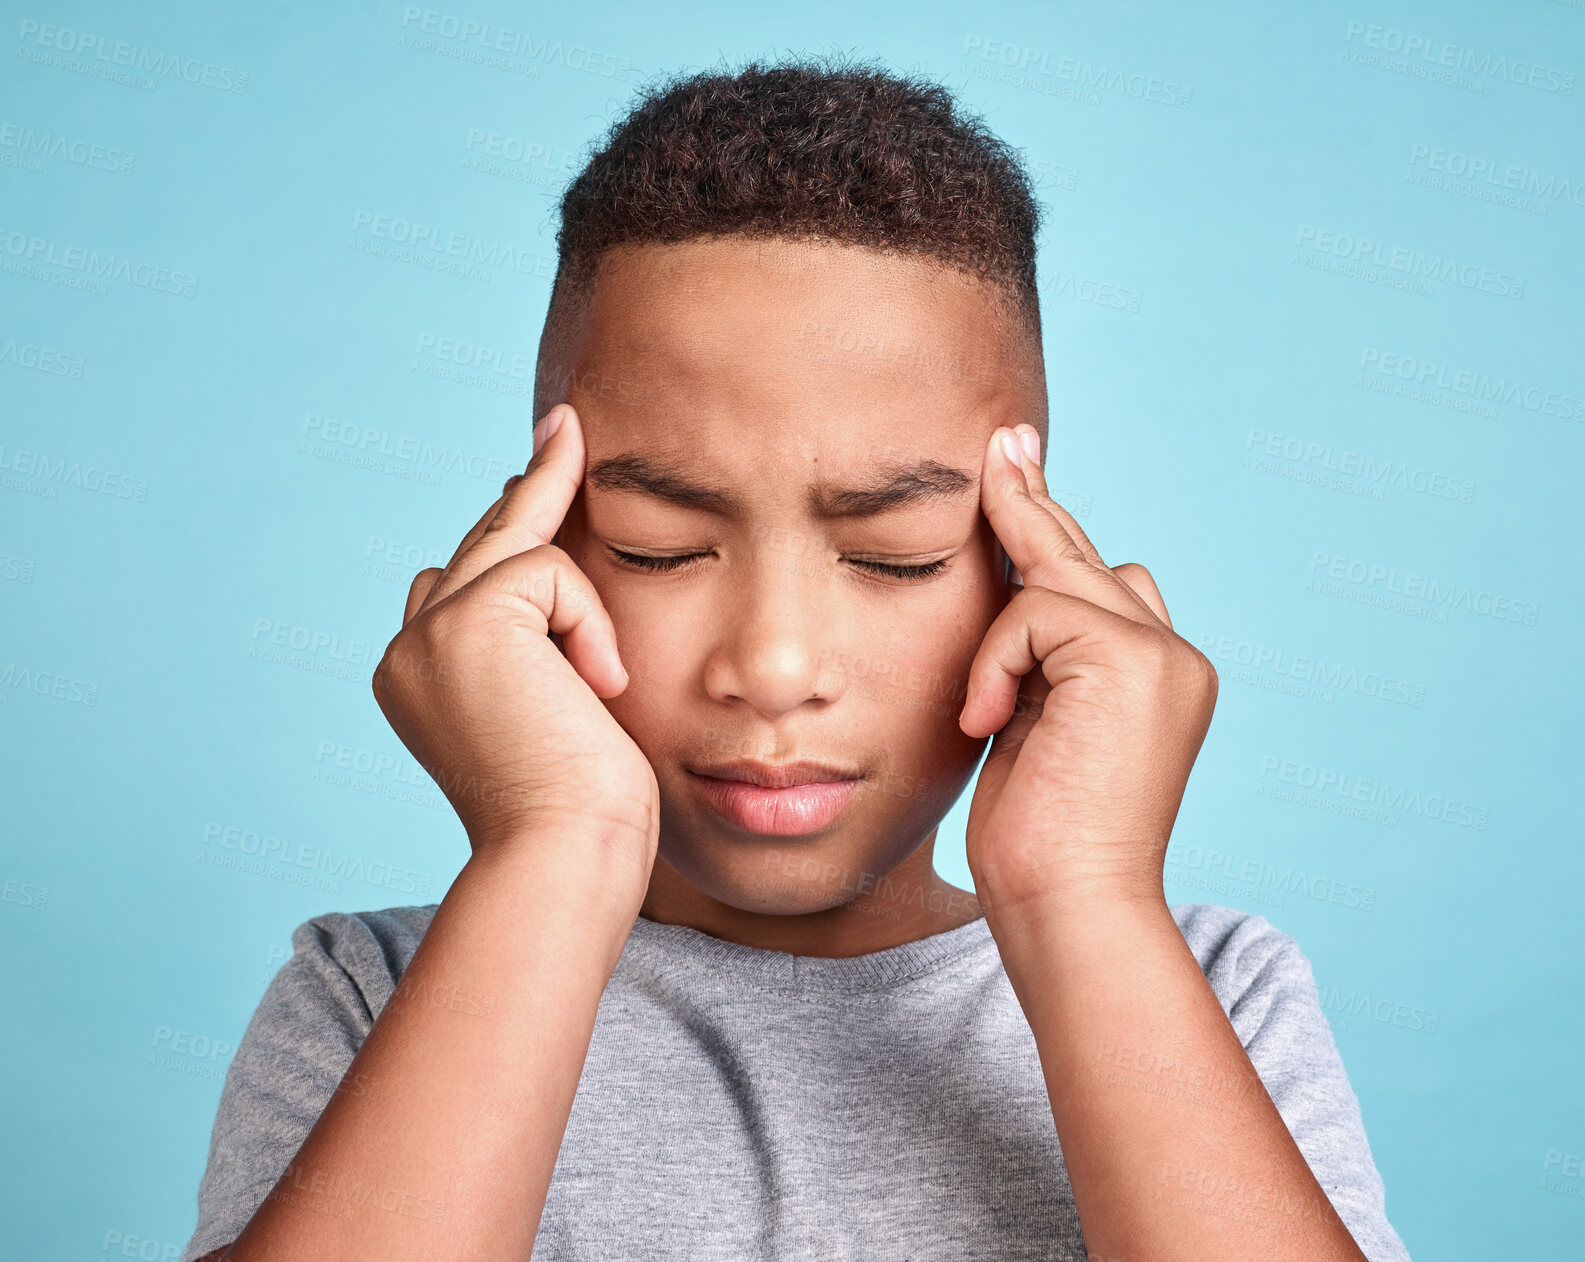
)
(1266, 985)
(371, 948)
(1224, 936)
(390, 928)
(1247, 959)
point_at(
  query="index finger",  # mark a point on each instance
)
(478, 527)
(1037, 486)
(530, 512)
(1036, 540)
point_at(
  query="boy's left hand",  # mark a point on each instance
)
(1082, 784)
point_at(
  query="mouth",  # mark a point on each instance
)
(790, 800)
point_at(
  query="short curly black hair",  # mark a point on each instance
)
(812, 148)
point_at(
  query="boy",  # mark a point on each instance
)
(699, 992)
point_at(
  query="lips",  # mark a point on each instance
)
(791, 800)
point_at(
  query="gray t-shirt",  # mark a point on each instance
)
(739, 1104)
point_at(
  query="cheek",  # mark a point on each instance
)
(919, 666)
(657, 641)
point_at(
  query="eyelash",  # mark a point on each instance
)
(667, 564)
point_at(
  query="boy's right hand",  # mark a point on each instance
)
(510, 728)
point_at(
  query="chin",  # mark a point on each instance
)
(753, 876)
(768, 875)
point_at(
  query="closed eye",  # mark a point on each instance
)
(927, 570)
(656, 563)
(669, 563)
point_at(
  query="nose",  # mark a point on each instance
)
(774, 647)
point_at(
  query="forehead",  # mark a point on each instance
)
(792, 352)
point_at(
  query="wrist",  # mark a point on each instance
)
(600, 874)
(1073, 908)
(1068, 892)
(1082, 934)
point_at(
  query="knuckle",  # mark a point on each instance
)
(424, 579)
(448, 623)
(1210, 680)
(532, 571)
(388, 676)
(569, 586)
(1187, 664)
(1037, 600)
(422, 656)
(551, 554)
(502, 521)
(1154, 652)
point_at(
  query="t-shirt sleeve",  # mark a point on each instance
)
(289, 1062)
(1277, 1014)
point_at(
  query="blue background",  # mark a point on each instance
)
(1353, 469)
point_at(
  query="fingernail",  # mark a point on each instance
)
(1031, 441)
(546, 428)
(1011, 449)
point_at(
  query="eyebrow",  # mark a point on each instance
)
(893, 486)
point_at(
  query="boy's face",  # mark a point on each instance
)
(767, 374)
